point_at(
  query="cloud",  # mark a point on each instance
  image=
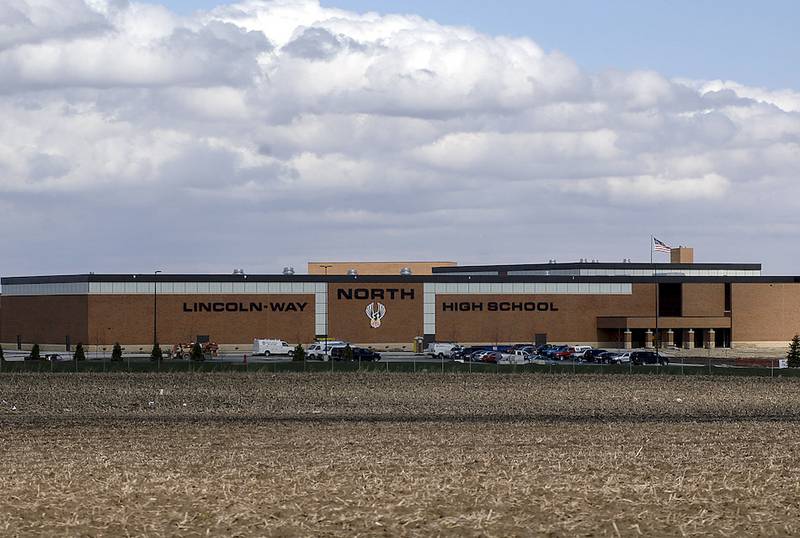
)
(287, 127)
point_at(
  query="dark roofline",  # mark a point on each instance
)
(393, 279)
(597, 265)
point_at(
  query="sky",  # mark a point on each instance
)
(202, 136)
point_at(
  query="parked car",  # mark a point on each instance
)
(608, 357)
(593, 355)
(359, 354)
(517, 357)
(543, 349)
(491, 356)
(578, 352)
(463, 354)
(561, 353)
(621, 358)
(322, 350)
(477, 356)
(647, 357)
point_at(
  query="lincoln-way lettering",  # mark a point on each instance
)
(244, 307)
(374, 294)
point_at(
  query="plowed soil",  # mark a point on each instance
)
(389, 455)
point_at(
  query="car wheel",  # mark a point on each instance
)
(266, 353)
(440, 356)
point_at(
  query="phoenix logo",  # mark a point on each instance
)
(375, 313)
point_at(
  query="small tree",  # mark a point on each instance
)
(80, 354)
(197, 352)
(299, 353)
(35, 354)
(156, 354)
(116, 352)
(347, 353)
(794, 352)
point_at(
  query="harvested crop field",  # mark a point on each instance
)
(376, 454)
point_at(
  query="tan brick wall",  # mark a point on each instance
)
(375, 268)
(42, 319)
(703, 299)
(347, 319)
(765, 312)
(575, 320)
(129, 319)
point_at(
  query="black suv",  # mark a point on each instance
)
(647, 357)
(593, 355)
(359, 354)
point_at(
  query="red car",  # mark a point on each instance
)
(563, 353)
(492, 356)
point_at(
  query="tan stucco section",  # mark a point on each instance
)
(575, 319)
(703, 299)
(347, 319)
(765, 312)
(44, 319)
(129, 319)
(375, 268)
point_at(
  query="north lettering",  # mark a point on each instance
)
(374, 294)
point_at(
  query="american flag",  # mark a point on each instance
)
(660, 246)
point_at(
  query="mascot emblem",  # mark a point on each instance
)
(375, 313)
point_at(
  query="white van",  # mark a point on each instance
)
(322, 350)
(267, 347)
(441, 351)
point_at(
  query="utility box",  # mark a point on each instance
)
(418, 346)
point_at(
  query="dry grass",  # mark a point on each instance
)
(289, 455)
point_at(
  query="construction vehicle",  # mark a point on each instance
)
(184, 350)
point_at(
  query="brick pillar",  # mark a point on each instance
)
(648, 339)
(670, 341)
(709, 339)
(628, 340)
(688, 339)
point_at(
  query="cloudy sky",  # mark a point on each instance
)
(192, 137)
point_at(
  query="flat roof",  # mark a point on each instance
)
(557, 266)
(393, 279)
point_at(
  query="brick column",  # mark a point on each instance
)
(648, 339)
(670, 341)
(709, 339)
(628, 340)
(688, 339)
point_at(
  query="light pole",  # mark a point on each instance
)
(155, 314)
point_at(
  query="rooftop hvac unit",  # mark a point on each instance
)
(288, 271)
(238, 271)
(352, 272)
(405, 271)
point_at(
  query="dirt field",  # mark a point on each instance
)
(387, 455)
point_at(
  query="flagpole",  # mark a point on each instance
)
(655, 284)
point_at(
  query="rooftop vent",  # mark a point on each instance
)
(238, 271)
(352, 272)
(288, 271)
(405, 271)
